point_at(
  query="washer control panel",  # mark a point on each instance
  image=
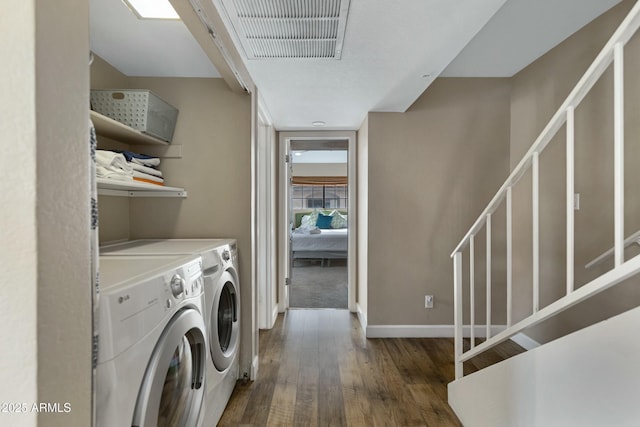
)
(177, 286)
(184, 283)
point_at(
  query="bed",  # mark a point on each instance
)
(327, 244)
(318, 243)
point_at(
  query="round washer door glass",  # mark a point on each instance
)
(176, 398)
(225, 322)
(226, 316)
(172, 390)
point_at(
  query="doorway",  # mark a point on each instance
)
(319, 194)
(317, 182)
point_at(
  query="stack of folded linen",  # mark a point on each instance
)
(113, 166)
(145, 168)
(128, 166)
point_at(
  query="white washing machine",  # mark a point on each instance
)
(222, 309)
(152, 341)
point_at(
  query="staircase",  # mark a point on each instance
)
(586, 378)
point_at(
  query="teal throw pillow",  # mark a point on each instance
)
(324, 221)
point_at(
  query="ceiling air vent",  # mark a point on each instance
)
(288, 29)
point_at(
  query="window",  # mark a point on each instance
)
(319, 196)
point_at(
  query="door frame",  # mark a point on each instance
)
(266, 219)
(285, 139)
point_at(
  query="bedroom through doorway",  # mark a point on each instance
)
(319, 201)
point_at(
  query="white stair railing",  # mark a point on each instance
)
(634, 238)
(613, 52)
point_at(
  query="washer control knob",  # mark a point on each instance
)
(226, 255)
(177, 286)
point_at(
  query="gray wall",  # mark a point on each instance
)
(424, 192)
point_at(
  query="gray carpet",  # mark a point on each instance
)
(314, 286)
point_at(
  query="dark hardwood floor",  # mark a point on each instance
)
(318, 369)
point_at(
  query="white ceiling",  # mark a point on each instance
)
(522, 31)
(145, 47)
(389, 46)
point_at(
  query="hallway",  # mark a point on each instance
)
(318, 369)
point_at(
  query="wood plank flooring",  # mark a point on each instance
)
(318, 369)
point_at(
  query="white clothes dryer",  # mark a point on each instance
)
(223, 317)
(152, 342)
(221, 309)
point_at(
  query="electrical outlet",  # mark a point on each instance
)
(428, 301)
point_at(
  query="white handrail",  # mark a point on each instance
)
(634, 238)
(613, 52)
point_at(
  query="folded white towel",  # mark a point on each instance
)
(145, 169)
(112, 161)
(118, 175)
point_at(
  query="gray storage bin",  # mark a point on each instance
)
(138, 108)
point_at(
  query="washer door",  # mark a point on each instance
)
(172, 391)
(225, 322)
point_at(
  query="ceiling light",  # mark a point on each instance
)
(152, 9)
(318, 123)
(297, 153)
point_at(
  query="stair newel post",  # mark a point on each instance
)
(457, 308)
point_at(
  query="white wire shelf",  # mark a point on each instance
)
(109, 187)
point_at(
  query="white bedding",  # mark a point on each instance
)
(330, 240)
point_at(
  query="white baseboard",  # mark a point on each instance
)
(274, 315)
(362, 317)
(426, 331)
(525, 341)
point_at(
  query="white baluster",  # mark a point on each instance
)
(488, 229)
(618, 143)
(535, 202)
